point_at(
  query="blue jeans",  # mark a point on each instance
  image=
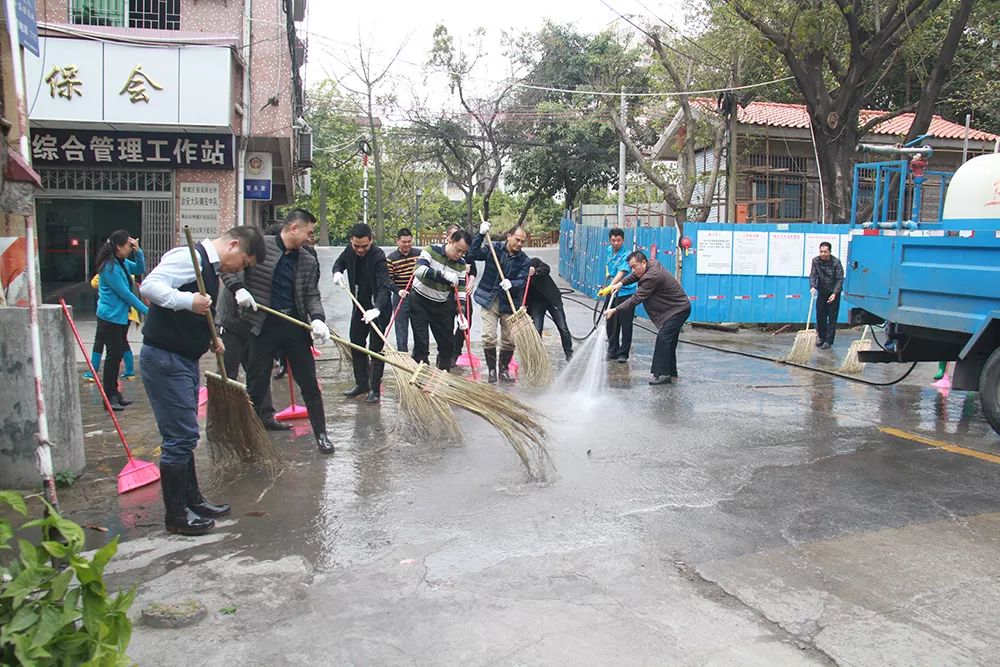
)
(402, 323)
(171, 382)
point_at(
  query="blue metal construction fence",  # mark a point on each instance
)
(751, 273)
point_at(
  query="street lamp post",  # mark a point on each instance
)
(416, 216)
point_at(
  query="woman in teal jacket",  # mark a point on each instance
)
(114, 299)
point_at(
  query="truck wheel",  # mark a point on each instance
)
(989, 389)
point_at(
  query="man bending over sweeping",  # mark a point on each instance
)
(287, 281)
(489, 294)
(175, 337)
(441, 270)
(666, 304)
(362, 269)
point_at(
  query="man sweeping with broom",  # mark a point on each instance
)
(175, 337)
(441, 270)
(666, 304)
(497, 308)
(288, 282)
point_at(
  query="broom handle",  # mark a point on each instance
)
(336, 339)
(812, 304)
(468, 338)
(399, 305)
(93, 371)
(527, 286)
(201, 289)
(372, 323)
(496, 260)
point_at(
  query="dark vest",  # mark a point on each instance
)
(182, 331)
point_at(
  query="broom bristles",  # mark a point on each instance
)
(512, 418)
(803, 347)
(852, 365)
(427, 414)
(234, 431)
(535, 362)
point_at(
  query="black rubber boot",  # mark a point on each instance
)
(505, 357)
(178, 516)
(490, 354)
(356, 390)
(196, 501)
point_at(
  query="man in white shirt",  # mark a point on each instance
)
(175, 336)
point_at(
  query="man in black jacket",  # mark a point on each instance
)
(362, 269)
(544, 296)
(287, 281)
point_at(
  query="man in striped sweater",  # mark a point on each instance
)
(439, 275)
(402, 261)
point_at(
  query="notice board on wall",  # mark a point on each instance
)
(715, 251)
(750, 253)
(812, 248)
(784, 256)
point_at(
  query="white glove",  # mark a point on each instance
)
(813, 291)
(505, 285)
(244, 299)
(461, 322)
(371, 315)
(450, 275)
(320, 332)
(484, 228)
(338, 279)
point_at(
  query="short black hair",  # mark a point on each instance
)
(404, 231)
(827, 244)
(637, 255)
(515, 228)
(251, 242)
(616, 231)
(461, 235)
(360, 230)
(299, 215)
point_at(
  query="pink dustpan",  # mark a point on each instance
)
(202, 396)
(943, 383)
(293, 411)
(471, 361)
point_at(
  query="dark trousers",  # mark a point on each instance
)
(619, 330)
(238, 354)
(665, 352)
(367, 371)
(402, 323)
(439, 317)
(171, 383)
(293, 343)
(558, 314)
(114, 341)
(827, 315)
(99, 345)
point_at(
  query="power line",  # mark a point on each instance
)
(615, 93)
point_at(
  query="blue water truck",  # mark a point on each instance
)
(934, 285)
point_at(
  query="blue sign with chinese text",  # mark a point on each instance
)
(27, 25)
(257, 189)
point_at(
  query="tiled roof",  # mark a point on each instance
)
(778, 114)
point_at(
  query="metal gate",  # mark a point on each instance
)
(155, 189)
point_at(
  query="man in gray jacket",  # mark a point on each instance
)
(287, 281)
(666, 304)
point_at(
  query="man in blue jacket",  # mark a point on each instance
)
(490, 294)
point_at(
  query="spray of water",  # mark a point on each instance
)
(587, 374)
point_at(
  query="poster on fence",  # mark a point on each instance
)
(715, 251)
(750, 253)
(784, 257)
(812, 249)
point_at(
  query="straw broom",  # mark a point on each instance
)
(234, 431)
(427, 414)
(852, 364)
(527, 340)
(512, 418)
(805, 340)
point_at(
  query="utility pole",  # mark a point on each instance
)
(621, 168)
(731, 162)
(324, 226)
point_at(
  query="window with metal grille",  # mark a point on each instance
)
(152, 14)
(783, 162)
(779, 197)
(106, 180)
(156, 14)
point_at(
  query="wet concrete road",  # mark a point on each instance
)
(750, 514)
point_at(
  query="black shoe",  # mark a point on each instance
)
(824, 346)
(272, 424)
(122, 401)
(504, 366)
(622, 360)
(356, 390)
(492, 376)
(323, 444)
(819, 343)
(373, 397)
(569, 355)
(178, 517)
(490, 355)
(116, 404)
(660, 379)
(197, 502)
